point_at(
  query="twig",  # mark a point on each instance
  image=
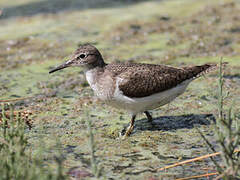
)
(192, 160)
(188, 161)
(198, 176)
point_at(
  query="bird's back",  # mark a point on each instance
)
(140, 80)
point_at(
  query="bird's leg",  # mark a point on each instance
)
(130, 127)
(149, 117)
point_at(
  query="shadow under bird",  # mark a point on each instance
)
(134, 87)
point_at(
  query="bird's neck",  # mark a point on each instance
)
(93, 74)
(94, 70)
(96, 64)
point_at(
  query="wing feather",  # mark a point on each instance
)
(145, 80)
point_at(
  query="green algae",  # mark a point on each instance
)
(59, 102)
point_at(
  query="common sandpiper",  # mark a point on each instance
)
(134, 87)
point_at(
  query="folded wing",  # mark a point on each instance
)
(144, 80)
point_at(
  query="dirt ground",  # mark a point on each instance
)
(35, 36)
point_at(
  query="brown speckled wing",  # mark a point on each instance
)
(140, 80)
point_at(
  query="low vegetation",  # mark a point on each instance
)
(17, 161)
(227, 132)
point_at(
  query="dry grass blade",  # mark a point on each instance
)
(199, 176)
(188, 161)
(192, 160)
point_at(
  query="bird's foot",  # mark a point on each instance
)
(123, 135)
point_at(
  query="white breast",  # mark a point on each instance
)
(101, 89)
(90, 79)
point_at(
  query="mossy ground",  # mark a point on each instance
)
(38, 35)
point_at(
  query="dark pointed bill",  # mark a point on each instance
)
(65, 65)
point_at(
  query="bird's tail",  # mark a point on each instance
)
(198, 71)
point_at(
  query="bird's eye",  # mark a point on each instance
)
(82, 56)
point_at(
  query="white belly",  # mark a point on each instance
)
(137, 105)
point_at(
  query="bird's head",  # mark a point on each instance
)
(86, 56)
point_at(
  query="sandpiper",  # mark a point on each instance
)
(134, 87)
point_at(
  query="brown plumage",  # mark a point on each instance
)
(140, 80)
